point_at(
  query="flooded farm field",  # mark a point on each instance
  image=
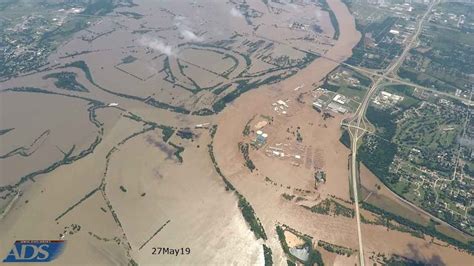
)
(135, 131)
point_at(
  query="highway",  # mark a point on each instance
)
(357, 124)
(395, 80)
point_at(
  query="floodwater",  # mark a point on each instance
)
(266, 198)
(191, 195)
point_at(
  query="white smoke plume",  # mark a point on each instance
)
(190, 36)
(184, 27)
(157, 45)
(236, 13)
(318, 14)
(294, 7)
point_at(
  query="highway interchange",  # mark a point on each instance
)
(358, 125)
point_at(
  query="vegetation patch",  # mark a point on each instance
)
(245, 207)
(428, 230)
(99, 7)
(332, 16)
(267, 253)
(129, 59)
(249, 216)
(67, 81)
(378, 153)
(336, 249)
(332, 207)
(133, 15)
(246, 130)
(185, 133)
(210, 147)
(149, 100)
(5, 131)
(88, 195)
(288, 196)
(167, 132)
(68, 158)
(244, 149)
(178, 151)
(203, 112)
(345, 139)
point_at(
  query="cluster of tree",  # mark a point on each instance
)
(99, 7)
(250, 217)
(332, 17)
(178, 151)
(332, 207)
(345, 139)
(247, 211)
(244, 148)
(428, 230)
(229, 185)
(378, 153)
(335, 248)
(267, 253)
(185, 133)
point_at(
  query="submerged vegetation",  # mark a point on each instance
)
(148, 100)
(428, 230)
(178, 151)
(68, 157)
(332, 17)
(67, 81)
(247, 127)
(249, 216)
(267, 253)
(332, 207)
(336, 249)
(244, 149)
(247, 211)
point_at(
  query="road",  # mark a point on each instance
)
(357, 125)
(395, 80)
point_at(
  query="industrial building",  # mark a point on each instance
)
(335, 107)
(261, 138)
(387, 99)
(340, 99)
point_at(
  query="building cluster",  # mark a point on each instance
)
(286, 151)
(261, 138)
(388, 3)
(204, 125)
(23, 46)
(280, 107)
(450, 19)
(385, 99)
(320, 176)
(283, 151)
(345, 77)
(298, 26)
(438, 174)
(454, 195)
(335, 104)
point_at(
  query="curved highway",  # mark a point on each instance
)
(357, 126)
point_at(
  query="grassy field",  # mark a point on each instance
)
(429, 127)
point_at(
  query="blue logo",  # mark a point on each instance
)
(35, 250)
